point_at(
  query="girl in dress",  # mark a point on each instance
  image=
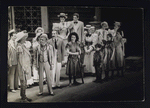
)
(98, 62)
(90, 42)
(73, 63)
(64, 31)
(35, 42)
(110, 58)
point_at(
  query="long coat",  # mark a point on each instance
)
(24, 62)
(79, 29)
(12, 53)
(60, 50)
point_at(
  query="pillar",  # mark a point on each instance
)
(44, 18)
(98, 13)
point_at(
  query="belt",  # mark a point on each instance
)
(43, 61)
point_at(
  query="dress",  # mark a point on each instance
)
(90, 42)
(35, 44)
(110, 64)
(63, 30)
(73, 64)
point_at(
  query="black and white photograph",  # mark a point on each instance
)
(75, 54)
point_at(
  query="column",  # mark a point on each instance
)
(44, 18)
(98, 13)
(13, 18)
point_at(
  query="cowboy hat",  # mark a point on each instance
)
(11, 31)
(39, 28)
(21, 35)
(62, 15)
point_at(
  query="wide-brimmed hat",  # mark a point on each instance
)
(45, 36)
(104, 23)
(39, 28)
(21, 35)
(63, 15)
(11, 31)
(117, 23)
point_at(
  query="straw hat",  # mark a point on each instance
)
(104, 23)
(11, 31)
(62, 15)
(92, 27)
(88, 26)
(45, 36)
(21, 35)
(39, 28)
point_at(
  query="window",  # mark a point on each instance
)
(27, 17)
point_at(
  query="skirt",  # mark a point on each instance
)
(73, 65)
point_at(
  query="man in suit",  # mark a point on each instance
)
(44, 61)
(58, 49)
(77, 26)
(12, 62)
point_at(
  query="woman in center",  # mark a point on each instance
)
(73, 64)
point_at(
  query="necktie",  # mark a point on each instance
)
(55, 43)
(103, 34)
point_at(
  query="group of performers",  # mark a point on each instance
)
(71, 44)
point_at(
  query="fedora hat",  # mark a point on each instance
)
(11, 31)
(39, 28)
(21, 35)
(62, 15)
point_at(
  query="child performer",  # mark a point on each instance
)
(98, 61)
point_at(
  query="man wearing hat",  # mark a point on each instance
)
(58, 57)
(24, 66)
(102, 33)
(12, 62)
(44, 55)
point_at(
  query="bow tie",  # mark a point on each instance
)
(75, 22)
(88, 35)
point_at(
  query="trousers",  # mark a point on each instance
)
(56, 72)
(23, 87)
(13, 77)
(45, 67)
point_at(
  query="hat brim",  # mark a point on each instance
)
(62, 16)
(39, 28)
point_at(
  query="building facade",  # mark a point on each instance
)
(31, 17)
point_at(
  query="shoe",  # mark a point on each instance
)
(58, 86)
(13, 91)
(95, 80)
(52, 94)
(76, 83)
(70, 84)
(24, 101)
(39, 94)
(28, 99)
(18, 88)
